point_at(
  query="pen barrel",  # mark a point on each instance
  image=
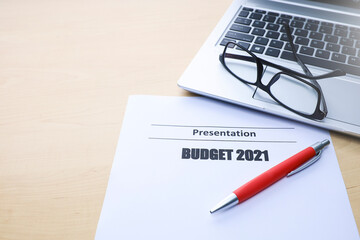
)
(273, 174)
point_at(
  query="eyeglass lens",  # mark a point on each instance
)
(297, 95)
(286, 89)
(243, 66)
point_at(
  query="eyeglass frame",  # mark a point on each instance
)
(318, 114)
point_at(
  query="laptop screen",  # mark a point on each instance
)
(345, 3)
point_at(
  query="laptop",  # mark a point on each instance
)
(326, 35)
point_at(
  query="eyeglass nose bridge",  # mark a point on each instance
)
(265, 87)
(274, 78)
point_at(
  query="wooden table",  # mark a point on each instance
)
(66, 71)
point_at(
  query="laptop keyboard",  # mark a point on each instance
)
(318, 43)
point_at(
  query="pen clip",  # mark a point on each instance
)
(307, 164)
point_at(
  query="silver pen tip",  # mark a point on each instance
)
(229, 201)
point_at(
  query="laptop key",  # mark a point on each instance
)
(301, 32)
(326, 30)
(327, 24)
(322, 54)
(239, 36)
(262, 41)
(258, 32)
(354, 35)
(357, 44)
(340, 32)
(257, 49)
(244, 45)
(284, 31)
(283, 20)
(317, 44)
(276, 44)
(313, 21)
(307, 50)
(272, 52)
(286, 16)
(316, 35)
(256, 16)
(348, 50)
(272, 34)
(341, 26)
(333, 47)
(273, 14)
(338, 57)
(347, 42)
(302, 41)
(269, 18)
(243, 21)
(260, 11)
(272, 27)
(240, 28)
(226, 40)
(297, 24)
(288, 47)
(244, 13)
(311, 27)
(331, 38)
(258, 24)
(284, 37)
(354, 61)
(354, 29)
(300, 19)
(248, 9)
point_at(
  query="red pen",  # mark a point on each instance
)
(288, 167)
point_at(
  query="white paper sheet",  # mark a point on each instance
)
(155, 192)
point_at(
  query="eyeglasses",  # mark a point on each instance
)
(308, 101)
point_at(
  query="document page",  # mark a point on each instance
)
(177, 157)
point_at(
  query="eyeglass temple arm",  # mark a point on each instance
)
(293, 49)
(303, 66)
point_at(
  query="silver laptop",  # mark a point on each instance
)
(325, 36)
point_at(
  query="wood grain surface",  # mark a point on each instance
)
(66, 71)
